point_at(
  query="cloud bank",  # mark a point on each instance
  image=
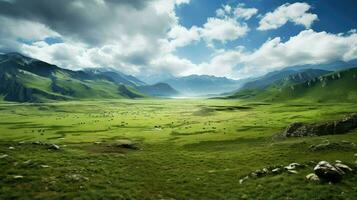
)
(142, 36)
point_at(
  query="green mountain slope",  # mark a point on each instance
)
(332, 87)
(287, 76)
(25, 79)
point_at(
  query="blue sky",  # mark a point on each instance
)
(231, 38)
(334, 17)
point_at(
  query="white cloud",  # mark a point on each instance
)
(180, 36)
(296, 13)
(275, 54)
(148, 45)
(126, 44)
(245, 13)
(223, 29)
(308, 47)
(172, 64)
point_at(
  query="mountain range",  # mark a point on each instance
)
(25, 79)
(200, 85)
(304, 85)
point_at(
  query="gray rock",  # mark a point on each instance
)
(18, 177)
(276, 171)
(3, 156)
(28, 162)
(258, 173)
(243, 179)
(11, 148)
(76, 177)
(293, 171)
(54, 147)
(293, 166)
(327, 172)
(343, 167)
(312, 177)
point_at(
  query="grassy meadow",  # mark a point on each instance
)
(188, 149)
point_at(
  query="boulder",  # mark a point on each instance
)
(312, 177)
(343, 167)
(325, 171)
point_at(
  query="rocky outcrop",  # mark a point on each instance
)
(325, 171)
(342, 126)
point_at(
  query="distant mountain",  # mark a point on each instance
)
(25, 79)
(159, 89)
(116, 76)
(196, 85)
(158, 77)
(332, 87)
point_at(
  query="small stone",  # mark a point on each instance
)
(18, 177)
(45, 166)
(243, 179)
(97, 142)
(76, 177)
(11, 148)
(265, 170)
(27, 162)
(54, 147)
(293, 172)
(276, 171)
(312, 177)
(292, 166)
(3, 156)
(338, 161)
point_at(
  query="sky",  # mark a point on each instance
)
(232, 38)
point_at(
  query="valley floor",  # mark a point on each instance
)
(187, 149)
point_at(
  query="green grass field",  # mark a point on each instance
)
(188, 149)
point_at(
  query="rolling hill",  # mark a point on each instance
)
(25, 79)
(332, 87)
